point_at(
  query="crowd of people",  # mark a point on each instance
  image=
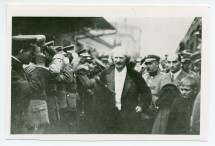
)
(69, 90)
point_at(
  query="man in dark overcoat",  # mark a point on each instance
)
(23, 88)
(123, 96)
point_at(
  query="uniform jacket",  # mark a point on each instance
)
(23, 90)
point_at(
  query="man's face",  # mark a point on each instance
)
(185, 65)
(197, 68)
(187, 91)
(173, 63)
(151, 66)
(27, 56)
(119, 60)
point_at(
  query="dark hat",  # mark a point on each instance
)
(58, 48)
(104, 58)
(150, 58)
(38, 39)
(68, 48)
(185, 54)
(22, 42)
(184, 60)
(25, 38)
(81, 51)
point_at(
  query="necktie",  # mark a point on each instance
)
(172, 78)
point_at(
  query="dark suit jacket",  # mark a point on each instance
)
(23, 90)
(135, 93)
(166, 79)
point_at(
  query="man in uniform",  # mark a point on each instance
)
(23, 89)
(152, 78)
(84, 84)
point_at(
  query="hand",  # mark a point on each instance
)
(40, 59)
(139, 109)
(154, 99)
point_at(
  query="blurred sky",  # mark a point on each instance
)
(160, 36)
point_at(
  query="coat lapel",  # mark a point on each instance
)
(127, 85)
(179, 77)
(110, 80)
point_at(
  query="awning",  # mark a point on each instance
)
(55, 25)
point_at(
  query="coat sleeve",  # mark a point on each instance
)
(66, 74)
(35, 84)
(195, 118)
(145, 96)
(82, 77)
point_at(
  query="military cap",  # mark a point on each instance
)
(104, 58)
(22, 42)
(186, 52)
(25, 38)
(81, 51)
(196, 57)
(138, 59)
(51, 43)
(68, 48)
(150, 58)
(183, 60)
(99, 63)
(58, 48)
(39, 39)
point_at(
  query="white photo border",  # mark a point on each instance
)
(115, 11)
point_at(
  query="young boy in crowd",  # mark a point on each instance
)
(179, 118)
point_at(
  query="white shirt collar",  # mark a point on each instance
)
(119, 84)
(176, 74)
(124, 71)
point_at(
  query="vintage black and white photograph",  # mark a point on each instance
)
(106, 75)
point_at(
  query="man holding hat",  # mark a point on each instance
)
(152, 78)
(23, 89)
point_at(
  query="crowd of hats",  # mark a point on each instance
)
(25, 41)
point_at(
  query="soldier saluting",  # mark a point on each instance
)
(22, 87)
